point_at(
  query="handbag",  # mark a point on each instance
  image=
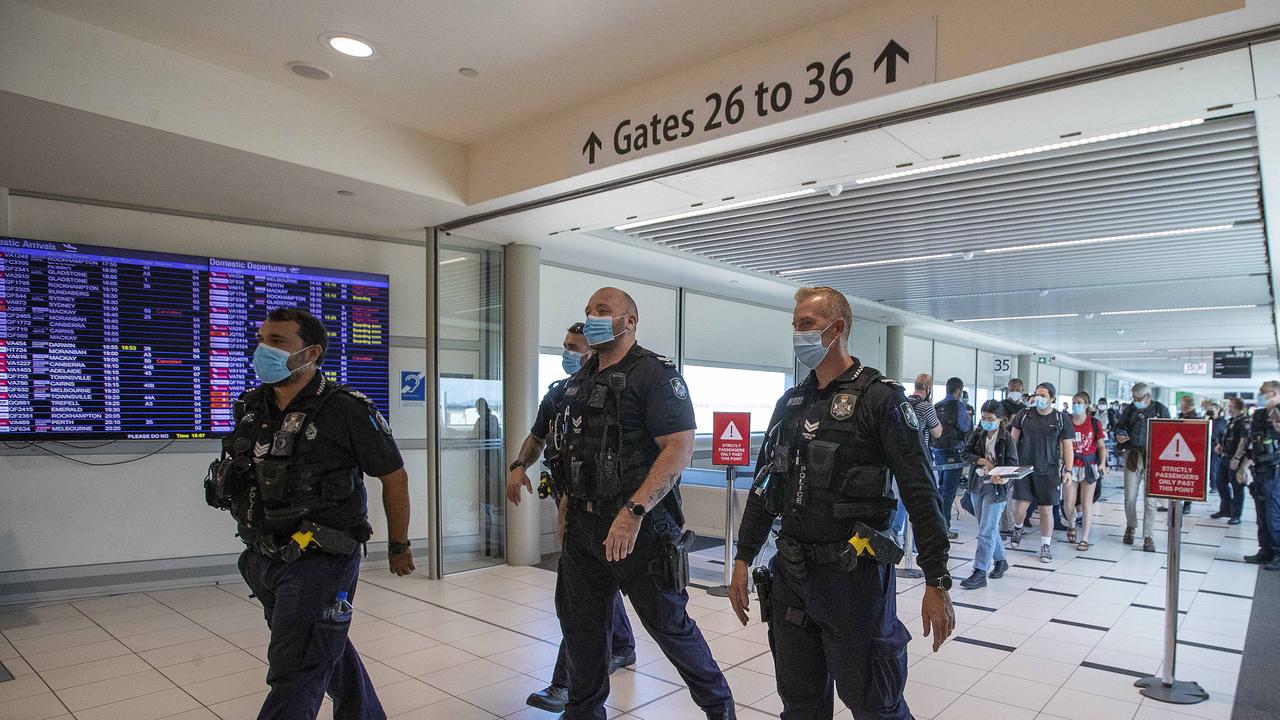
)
(966, 502)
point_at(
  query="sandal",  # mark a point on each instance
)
(1071, 535)
(1082, 546)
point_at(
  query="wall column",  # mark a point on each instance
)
(1026, 366)
(520, 303)
(893, 341)
(1089, 383)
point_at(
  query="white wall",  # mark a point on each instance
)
(731, 332)
(54, 513)
(867, 343)
(917, 357)
(564, 297)
(954, 361)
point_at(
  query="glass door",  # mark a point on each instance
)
(469, 396)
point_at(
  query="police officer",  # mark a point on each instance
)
(627, 429)
(291, 473)
(542, 440)
(832, 602)
(1264, 453)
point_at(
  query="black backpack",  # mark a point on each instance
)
(949, 415)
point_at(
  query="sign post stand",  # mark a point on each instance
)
(730, 447)
(1177, 469)
(908, 569)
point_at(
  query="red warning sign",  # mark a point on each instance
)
(731, 439)
(1178, 459)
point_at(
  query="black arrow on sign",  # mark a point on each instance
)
(593, 144)
(889, 58)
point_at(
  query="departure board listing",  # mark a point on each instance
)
(101, 342)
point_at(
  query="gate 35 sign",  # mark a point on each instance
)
(854, 70)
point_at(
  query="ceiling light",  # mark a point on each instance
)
(870, 263)
(1030, 151)
(1107, 352)
(719, 208)
(348, 45)
(468, 72)
(1019, 317)
(1111, 238)
(835, 190)
(1179, 310)
(1088, 316)
(1044, 293)
(967, 255)
(309, 71)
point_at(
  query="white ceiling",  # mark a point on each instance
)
(532, 56)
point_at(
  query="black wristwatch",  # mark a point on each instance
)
(636, 509)
(943, 583)
(516, 464)
(395, 548)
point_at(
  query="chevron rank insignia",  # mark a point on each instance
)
(842, 406)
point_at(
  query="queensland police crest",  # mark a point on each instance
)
(678, 387)
(842, 406)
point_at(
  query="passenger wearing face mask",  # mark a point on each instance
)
(990, 446)
(292, 475)
(1264, 458)
(1131, 435)
(1044, 438)
(1014, 399)
(543, 441)
(1088, 469)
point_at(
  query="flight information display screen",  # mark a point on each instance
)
(121, 344)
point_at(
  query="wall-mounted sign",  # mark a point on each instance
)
(851, 71)
(1195, 368)
(1002, 366)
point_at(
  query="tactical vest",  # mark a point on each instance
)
(601, 460)
(1264, 441)
(824, 481)
(274, 482)
(553, 449)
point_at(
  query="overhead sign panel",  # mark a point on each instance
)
(1178, 465)
(819, 79)
(1233, 364)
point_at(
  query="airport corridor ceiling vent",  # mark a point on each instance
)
(1048, 248)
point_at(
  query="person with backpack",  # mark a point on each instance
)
(1131, 435)
(1088, 468)
(1044, 437)
(956, 421)
(990, 446)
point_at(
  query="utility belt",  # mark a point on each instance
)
(603, 508)
(866, 541)
(671, 568)
(309, 537)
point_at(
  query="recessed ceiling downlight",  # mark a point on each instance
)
(468, 72)
(309, 71)
(348, 45)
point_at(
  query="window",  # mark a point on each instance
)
(723, 389)
(549, 371)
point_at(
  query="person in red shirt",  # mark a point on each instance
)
(1088, 468)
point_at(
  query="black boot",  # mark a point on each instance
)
(977, 580)
(1262, 557)
(553, 699)
(617, 662)
(997, 572)
(729, 713)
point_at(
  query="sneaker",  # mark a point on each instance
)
(997, 572)
(1218, 516)
(1162, 509)
(976, 580)
(553, 699)
(1046, 554)
(617, 662)
(1234, 521)
(1015, 538)
(1148, 545)
(1186, 508)
(952, 534)
(1259, 558)
(1274, 565)
(1128, 535)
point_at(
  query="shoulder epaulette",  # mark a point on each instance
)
(665, 360)
(355, 394)
(891, 383)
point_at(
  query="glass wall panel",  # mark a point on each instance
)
(469, 322)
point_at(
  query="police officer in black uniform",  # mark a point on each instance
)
(291, 473)
(831, 601)
(543, 440)
(627, 429)
(1264, 453)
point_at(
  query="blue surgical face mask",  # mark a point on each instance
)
(990, 425)
(1042, 402)
(272, 364)
(809, 348)
(599, 330)
(570, 361)
(1077, 409)
(1140, 404)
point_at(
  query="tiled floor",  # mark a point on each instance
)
(1058, 641)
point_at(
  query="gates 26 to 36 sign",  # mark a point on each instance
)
(1178, 459)
(731, 439)
(820, 79)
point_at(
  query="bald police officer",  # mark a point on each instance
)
(292, 474)
(543, 440)
(627, 429)
(832, 604)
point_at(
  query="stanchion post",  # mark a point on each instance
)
(908, 567)
(730, 474)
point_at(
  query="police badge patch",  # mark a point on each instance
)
(382, 423)
(909, 416)
(842, 406)
(311, 432)
(677, 387)
(292, 422)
